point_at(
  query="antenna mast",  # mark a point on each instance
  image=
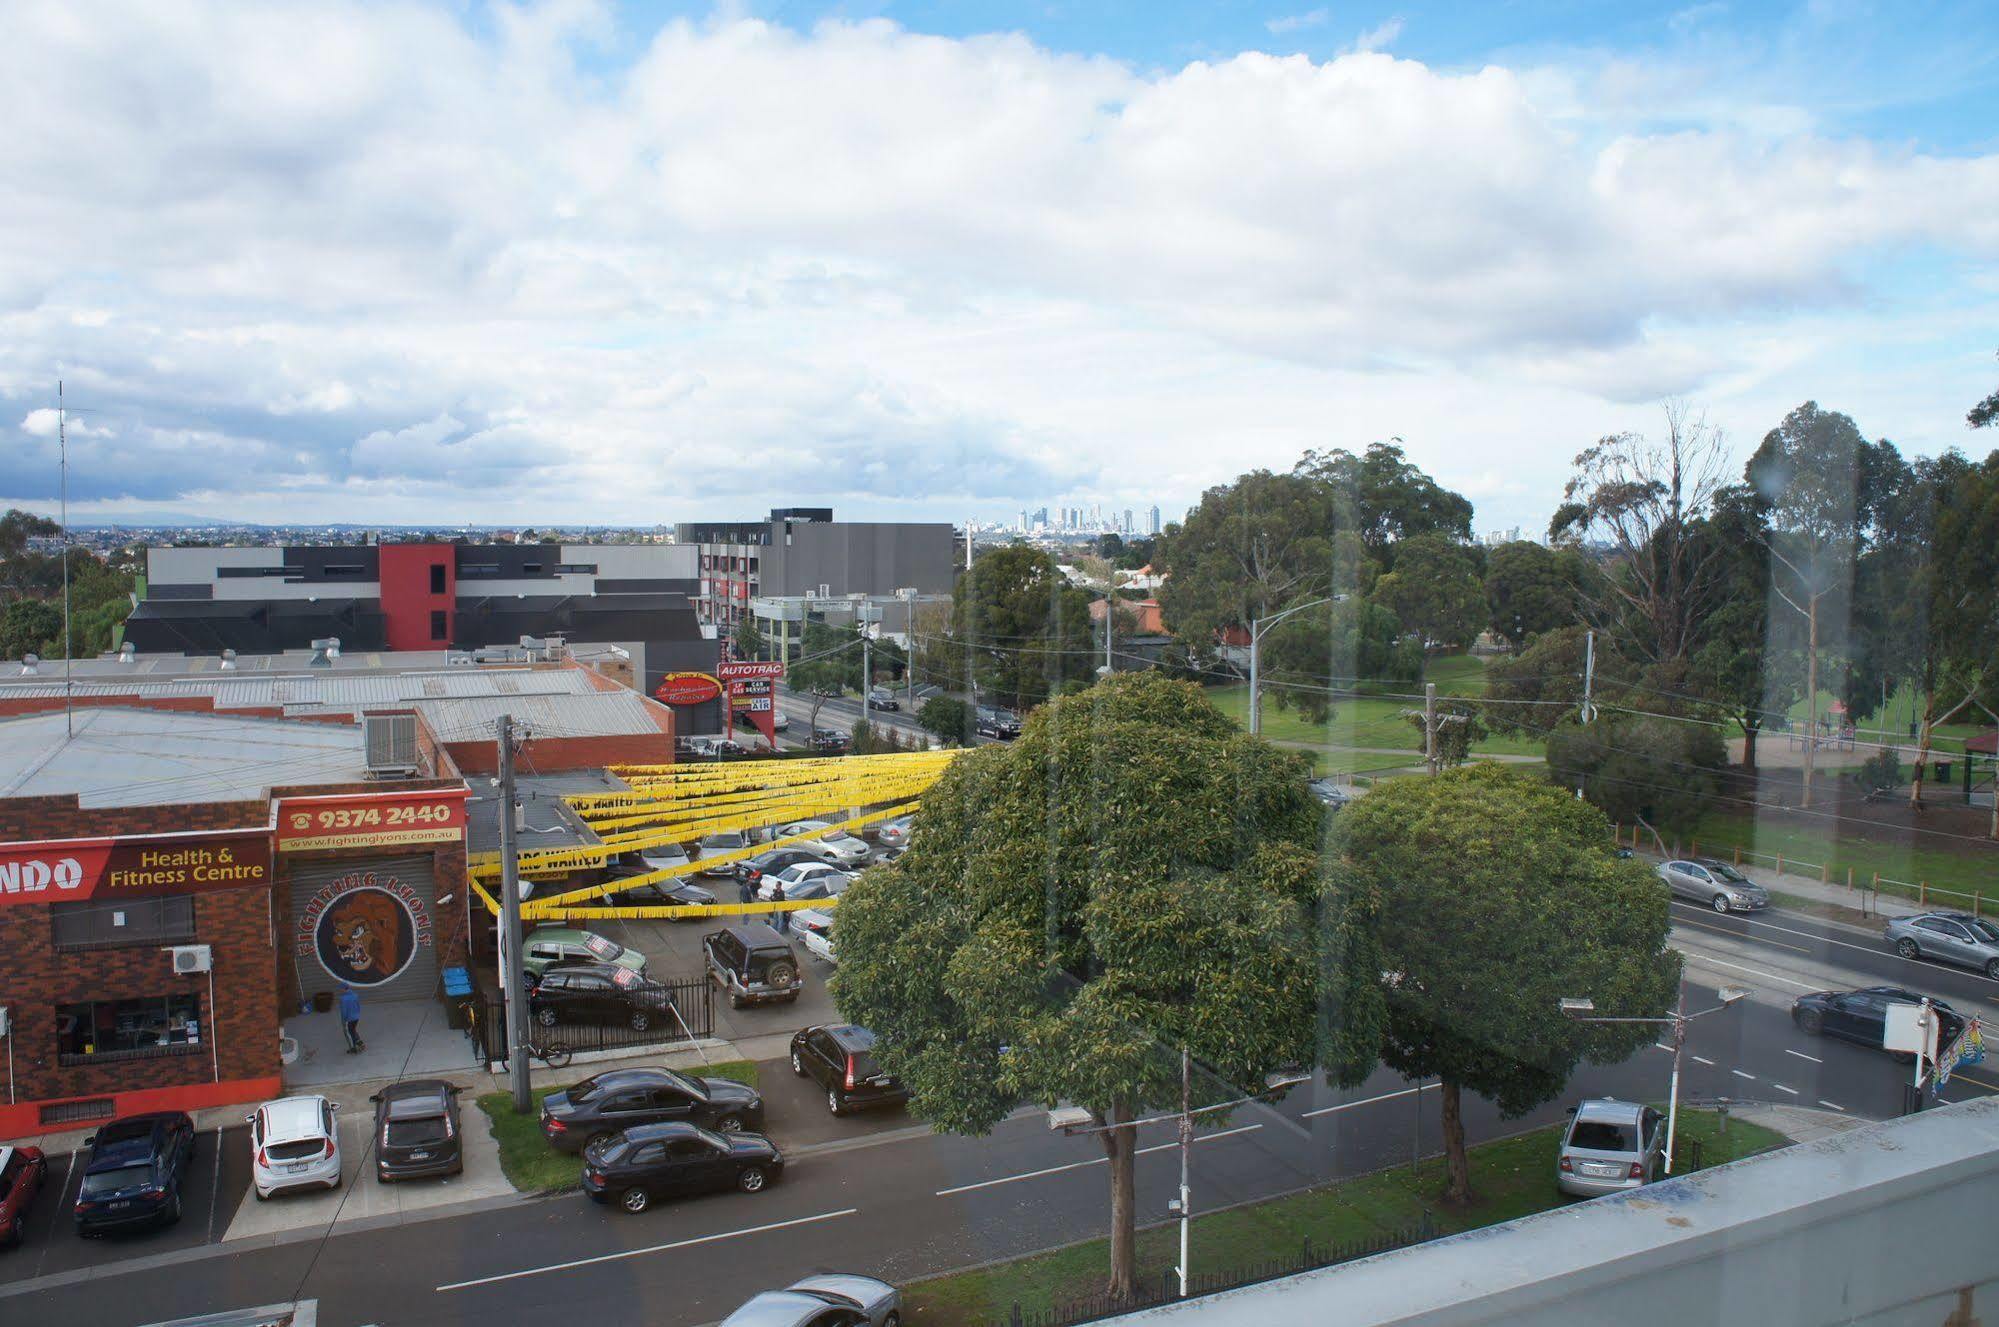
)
(62, 468)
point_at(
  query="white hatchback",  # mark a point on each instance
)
(295, 1144)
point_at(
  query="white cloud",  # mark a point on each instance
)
(1311, 18)
(1379, 37)
(356, 253)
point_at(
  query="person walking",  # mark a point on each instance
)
(749, 890)
(780, 919)
(350, 1018)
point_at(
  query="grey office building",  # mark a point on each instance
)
(804, 551)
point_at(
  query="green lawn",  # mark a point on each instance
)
(1968, 865)
(1513, 1178)
(529, 1163)
(1373, 720)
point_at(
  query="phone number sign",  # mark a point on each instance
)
(371, 820)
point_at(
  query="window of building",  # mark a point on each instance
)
(478, 570)
(437, 579)
(353, 570)
(438, 629)
(531, 568)
(135, 1029)
(128, 922)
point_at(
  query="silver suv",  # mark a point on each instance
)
(1714, 882)
(1951, 937)
(1610, 1146)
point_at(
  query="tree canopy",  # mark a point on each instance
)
(1388, 498)
(1662, 770)
(1531, 588)
(1024, 629)
(1435, 590)
(1249, 549)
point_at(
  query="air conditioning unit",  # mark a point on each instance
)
(6, 1021)
(191, 960)
(391, 745)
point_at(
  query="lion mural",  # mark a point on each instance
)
(364, 928)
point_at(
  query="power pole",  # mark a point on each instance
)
(68, 647)
(1255, 710)
(1430, 726)
(1588, 710)
(867, 674)
(1110, 622)
(1186, 1146)
(513, 973)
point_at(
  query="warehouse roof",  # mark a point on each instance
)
(140, 757)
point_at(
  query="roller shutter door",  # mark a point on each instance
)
(368, 921)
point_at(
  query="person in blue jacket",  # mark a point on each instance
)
(350, 1018)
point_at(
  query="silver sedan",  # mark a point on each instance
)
(1949, 937)
(829, 1299)
(1715, 883)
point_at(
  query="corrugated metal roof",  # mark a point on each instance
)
(599, 714)
(138, 757)
(332, 690)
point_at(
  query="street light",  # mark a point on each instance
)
(1257, 627)
(1579, 1008)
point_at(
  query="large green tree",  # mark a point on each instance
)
(1984, 413)
(1308, 657)
(1531, 588)
(1024, 629)
(31, 626)
(1387, 497)
(1435, 590)
(1739, 637)
(1532, 691)
(1131, 878)
(1498, 896)
(747, 641)
(1659, 770)
(1249, 549)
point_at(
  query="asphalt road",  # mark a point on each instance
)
(890, 1199)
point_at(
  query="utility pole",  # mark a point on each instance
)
(68, 647)
(1257, 626)
(1430, 726)
(512, 970)
(1110, 624)
(867, 673)
(1589, 677)
(1186, 1146)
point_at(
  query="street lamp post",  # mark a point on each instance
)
(1257, 627)
(1580, 1010)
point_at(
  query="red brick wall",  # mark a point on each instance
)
(547, 755)
(27, 819)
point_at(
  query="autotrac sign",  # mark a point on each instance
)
(101, 869)
(363, 928)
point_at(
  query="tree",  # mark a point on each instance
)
(1529, 589)
(1025, 629)
(1387, 498)
(1732, 665)
(1460, 726)
(1540, 686)
(1498, 896)
(747, 641)
(1649, 769)
(1646, 499)
(1247, 550)
(1308, 656)
(1110, 547)
(1985, 412)
(17, 527)
(1167, 905)
(31, 626)
(947, 718)
(828, 663)
(1434, 590)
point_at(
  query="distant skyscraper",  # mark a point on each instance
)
(1127, 520)
(1155, 521)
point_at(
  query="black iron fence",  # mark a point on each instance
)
(677, 1010)
(1165, 1287)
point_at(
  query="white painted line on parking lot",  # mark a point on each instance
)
(214, 1186)
(1781, 1088)
(1093, 1161)
(1702, 1059)
(1802, 1056)
(1754, 972)
(1833, 1104)
(1369, 1101)
(655, 1248)
(1739, 1074)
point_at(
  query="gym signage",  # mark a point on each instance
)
(363, 928)
(102, 869)
(371, 820)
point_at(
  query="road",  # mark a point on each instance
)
(900, 1202)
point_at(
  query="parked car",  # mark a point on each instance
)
(778, 721)
(1329, 793)
(829, 845)
(599, 993)
(1610, 1146)
(132, 1175)
(1953, 937)
(881, 698)
(715, 845)
(769, 863)
(752, 964)
(895, 833)
(294, 1144)
(549, 945)
(840, 1058)
(1002, 724)
(803, 880)
(1862, 1016)
(830, 740)
(620, 1099)
(661, 856)
(815, 932)
(22, 1170)
(1715, 883)
(653, 1161)
(416, 1130)
(836, 1299)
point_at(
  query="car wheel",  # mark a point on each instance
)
(173, 1210)
(595, 1139)
(752, 1179)
(893, 1319)
(635, 1199)
(781, 974)
(1908, 948)
(797, 1065)
(1811, 1020)
(730, 1123)
(1992, 969)
(262, 1197)
(835, 1102)
(545, 1016)
(1719, 903)
(640, 1020)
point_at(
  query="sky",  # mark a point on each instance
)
(304, 260)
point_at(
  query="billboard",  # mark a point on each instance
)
(372, 820)
(106, 869)
(753, 691)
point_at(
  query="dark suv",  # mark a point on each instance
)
(134, 1172)
(841, 1059)
(621, 1099)
(996, 723)
(752, 963)
(416, 1130)
(599, 993)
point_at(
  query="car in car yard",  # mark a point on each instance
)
(620, 1099)
(895, 833)
(549, 945)
(599, 993)
(752, 964)
(638, 1166)
(1950, 937)
(1862, 1016)
(827, 843)
(22, 1172)
(769, 863)
(1329, 793)
(794, 878)
(1001, 724)
(714, 845)
(815, 932)
(294, 1144)
(833, 1299)
(840, 1058)
(1610, 1146)
(132, 1175)
(1714, 882)
(417, 1130)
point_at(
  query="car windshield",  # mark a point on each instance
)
(601, 949)
(1603, 1136)
(1723, 871)
(714, 1140)
(722, 842)
(111, 1181)
(1982, 930)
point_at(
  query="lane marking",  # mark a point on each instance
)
(1833, 1104)
(214, 1186)
(1781, 1088)
(1848, 944)
(1802, 1056)
(1657, 1047)
(1737, 935)
(1739, 1074)
(1369, 1101)
(1702, 1059)
(1093, 1161)
(1754, 972)
(1974, 1078)
(1199, 1138)
(655, 1248)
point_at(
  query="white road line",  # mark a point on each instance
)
(1369, 1101)
(1846, 944)
(1754, 972)
(1659, 1047)
(214, 1186)
(1199, 1138)
(656, 1248)
(1802, 1056)
(1093, 1161)
(1781, 1088)
(1833, 1104)
(1739, 1074)
(1702, 1059)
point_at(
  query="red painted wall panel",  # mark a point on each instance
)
(407, 600)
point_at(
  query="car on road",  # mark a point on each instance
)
(827, 844)
(752, 964)
(1862, 1016)
(635, 1168)
(417, 1130)
(1951, 937)
(840, 1057)
(619, 1099)
(770, 863)
(1329, 793)
(1001, 724)
(895, 833)
(795, 878)
(881, 698)
(707, 747)
(548, 946)
(294, 1144)
(132, 1176)
(1610, 1146)
(1711, 881)
(599, 993)
(829, 740)
(833, 1299)
(22, 1171)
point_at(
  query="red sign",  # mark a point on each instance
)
(687, 688)
(371, 820)
(741, 668)
(104, 869)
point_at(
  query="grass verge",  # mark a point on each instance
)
(1513, 1177)
(526, 1159)
(1966, 865)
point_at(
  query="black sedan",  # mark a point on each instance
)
(620, 1099)
(599, 993)
(133, 1174)
(828, 739)
(1862, 1016)
(654, 1161)
(770, 863)
(416, 1130)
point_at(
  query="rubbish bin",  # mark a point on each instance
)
(1943, 771)
(322, 1002)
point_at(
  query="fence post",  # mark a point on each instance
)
(1738, 855)
(1694, 849)
(1977, 900)
(1923, 892)
(1014, 1315)
(1849, 877)
(1825, 873)
(1780, 863)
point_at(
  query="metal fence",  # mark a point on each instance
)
(686, 1004)
(1863, 886)
(1165, 1287)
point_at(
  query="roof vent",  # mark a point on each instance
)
(128, 652)
(390, 741)
(28, 662)
(228, 661)
(324, 652)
